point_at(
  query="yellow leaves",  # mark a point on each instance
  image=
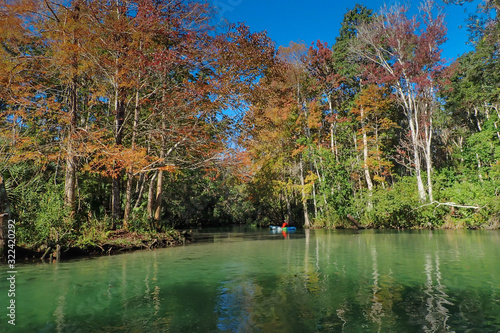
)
(298, 150)
(311, 178)
(22, 156)
(168, 168)
(315, 115)
(386, 123)
(309, 181)
(288, 186)
(111, 161)
(27, 149)
(373, 102)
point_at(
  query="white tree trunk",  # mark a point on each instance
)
(428, 160)
(368, 178)
(412, 114)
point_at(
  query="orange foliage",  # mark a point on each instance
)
(374, 107)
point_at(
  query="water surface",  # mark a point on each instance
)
(256, 281)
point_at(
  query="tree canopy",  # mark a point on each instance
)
(148, 115)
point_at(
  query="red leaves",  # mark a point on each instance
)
(125, 85)
(322, 66)
(401, 48)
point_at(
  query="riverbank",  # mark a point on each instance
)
(121, 241)
(117, 241)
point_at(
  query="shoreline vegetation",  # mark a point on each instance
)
(121, 241)
(115, 242)
(122, 122)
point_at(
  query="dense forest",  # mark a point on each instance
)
(145, 116)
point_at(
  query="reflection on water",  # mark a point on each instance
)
(437, 300)
(256, 281)
(234, 306)
(376, 312)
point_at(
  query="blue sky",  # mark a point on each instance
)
(308, 21)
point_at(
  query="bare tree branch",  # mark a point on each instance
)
(450, 204)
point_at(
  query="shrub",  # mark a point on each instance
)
(397, 207)
(52, 225)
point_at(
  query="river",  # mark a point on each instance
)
(251, 280)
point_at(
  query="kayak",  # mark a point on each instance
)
(275, 227)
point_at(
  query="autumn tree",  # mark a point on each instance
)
(374, 108)
(41, 72)
(271, 131)
(404, 53)
(123, 91)
(298, 110)
(22, 55)
(212, 74)
(68, 75)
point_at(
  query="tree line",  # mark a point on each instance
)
(146, 115)
(378, 130)
(104, 102)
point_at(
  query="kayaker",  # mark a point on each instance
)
(285, 224)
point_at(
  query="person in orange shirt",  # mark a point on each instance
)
(285, 224)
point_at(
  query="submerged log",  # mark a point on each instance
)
(353, 220)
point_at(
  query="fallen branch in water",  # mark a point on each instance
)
(451, 204)
(46, 251)
(353, 220)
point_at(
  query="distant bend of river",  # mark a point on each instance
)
(253, 280)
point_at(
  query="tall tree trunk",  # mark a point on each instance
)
(159, 197)
(366, 169)
(320, 180)
(72, 103)
(314, 201)
(315, 190)
(139, 190)
(411, 110)
(412, 116)
(332, 144)
(116, 198)
(151, 197)
(428, 161)
(496, 122)
(116, 207)
(70, 181)
(130, 173)
(428, 142)
(117, 177)
(418, 173)
(128, 199)
(479, 168)
(379, 157)
(288, 207)
(478, 122)
(307, 223)
(333, 141)
(460, 145)
(71, 158)
(159, 185)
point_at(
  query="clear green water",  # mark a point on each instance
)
(255, 281)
